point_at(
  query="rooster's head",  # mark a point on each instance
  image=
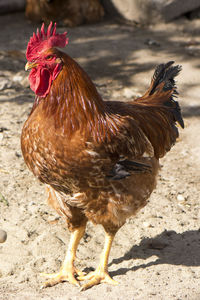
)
(43, 58)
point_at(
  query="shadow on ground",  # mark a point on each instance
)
(174, 250)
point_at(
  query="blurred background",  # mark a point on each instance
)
(76, 12)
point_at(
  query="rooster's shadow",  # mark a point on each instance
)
(170, 247)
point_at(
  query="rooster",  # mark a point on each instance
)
(99, 159)
(66, 12)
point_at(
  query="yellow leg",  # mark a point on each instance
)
(101, 273)
(67, 271)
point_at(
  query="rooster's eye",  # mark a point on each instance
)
(49, 57)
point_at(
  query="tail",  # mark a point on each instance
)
(157, 112)
(163, 90)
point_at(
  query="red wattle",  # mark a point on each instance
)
(40, 81)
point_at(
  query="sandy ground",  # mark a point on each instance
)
(155, 255)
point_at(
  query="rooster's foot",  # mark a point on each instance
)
(69, 275)
(95, 278)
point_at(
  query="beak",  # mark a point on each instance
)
(30, 65)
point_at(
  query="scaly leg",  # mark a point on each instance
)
(101, 273)
(67, 271)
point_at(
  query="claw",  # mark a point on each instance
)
(91, 283)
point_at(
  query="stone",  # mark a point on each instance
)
(157, 245)
(150, 11)
(180, 198)
(3, 236)
(172, 9)
(5, 84)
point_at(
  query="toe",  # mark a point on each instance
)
(86, 277)
(109, 280)
(95, 278)
(58, 278)
(79, 273)
(92, 282)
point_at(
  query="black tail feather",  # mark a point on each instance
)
(165, 73)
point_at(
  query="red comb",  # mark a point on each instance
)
(45, 40)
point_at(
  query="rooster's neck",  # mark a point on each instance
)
(73, 99)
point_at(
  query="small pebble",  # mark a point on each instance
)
(157, 245)
(17, 78)
(150, 42)
(180, 198)
(3, 85)
(3, 236)
(146, 224)
(18, 154)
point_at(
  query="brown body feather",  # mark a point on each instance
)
(73, 139)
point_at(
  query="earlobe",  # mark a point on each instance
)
(58, 60)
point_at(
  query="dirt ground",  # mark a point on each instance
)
(156, 255)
